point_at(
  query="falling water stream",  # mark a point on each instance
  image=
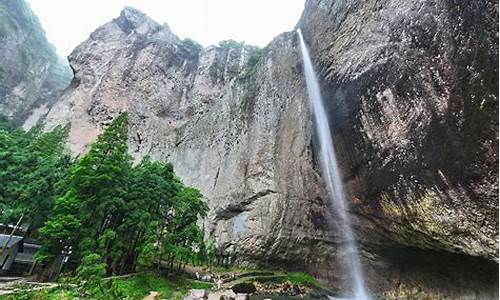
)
(331, 173)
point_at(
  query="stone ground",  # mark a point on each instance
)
(230, 279)
(8, 285)
(215, 295)
(152, 296)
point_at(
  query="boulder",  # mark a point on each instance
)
(243, 288)
(196, 294)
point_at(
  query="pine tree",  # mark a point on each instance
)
(96, 192)
(61, 229)
(99, 179)
(122, 214)
(32, 166)
(184, 238)
(152, 188)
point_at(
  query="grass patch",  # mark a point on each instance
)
(48, 294)
(269, 275)
(272, 277)
(235, 269)
(139, 286)
(298, 278)
(302, 278)
(131, 288)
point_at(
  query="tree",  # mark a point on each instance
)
(96, 189)
(184, 238)
(230, 44)
(49, 162)
(32, 166)
(99, 180)
(59, 232)
(91, 272)
(126, 215)
(61, 227)
(192, 45)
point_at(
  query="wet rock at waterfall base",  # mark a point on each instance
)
(244, 288)
(284, 289)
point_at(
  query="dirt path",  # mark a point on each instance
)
(152, 296)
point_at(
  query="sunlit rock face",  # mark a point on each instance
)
(412, 93)
(31, 74)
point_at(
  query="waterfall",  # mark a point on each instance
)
(331, 173)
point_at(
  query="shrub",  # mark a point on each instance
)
(230, 44)
(91, 272)
(192, 45)
(252, 63)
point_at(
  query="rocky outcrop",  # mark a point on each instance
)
(412, 92)
(233, 120)
(31, 74)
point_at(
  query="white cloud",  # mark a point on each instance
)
(256, 22)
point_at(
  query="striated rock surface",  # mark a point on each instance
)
(31, 74)
(233, 120)
(412, 89)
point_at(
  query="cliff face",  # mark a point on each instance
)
(233, 120)
(412, 93)
(412, 88)
(31, 74)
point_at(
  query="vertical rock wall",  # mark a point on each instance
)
(412, 88)
(31, 74)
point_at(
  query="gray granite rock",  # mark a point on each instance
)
(234, 121)
(32, 75)
(196, 295)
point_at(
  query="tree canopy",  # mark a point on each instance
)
(33, 166)
(101, 208)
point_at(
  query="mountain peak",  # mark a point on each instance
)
(130, 12)
(132, 19)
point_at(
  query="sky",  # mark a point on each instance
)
(257, 22)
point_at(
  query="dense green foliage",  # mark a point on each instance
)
(192, 45)
(168, 288)
(230, 44)
(125, 214)
(33, 165)
(107, 215)
(134, 288)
